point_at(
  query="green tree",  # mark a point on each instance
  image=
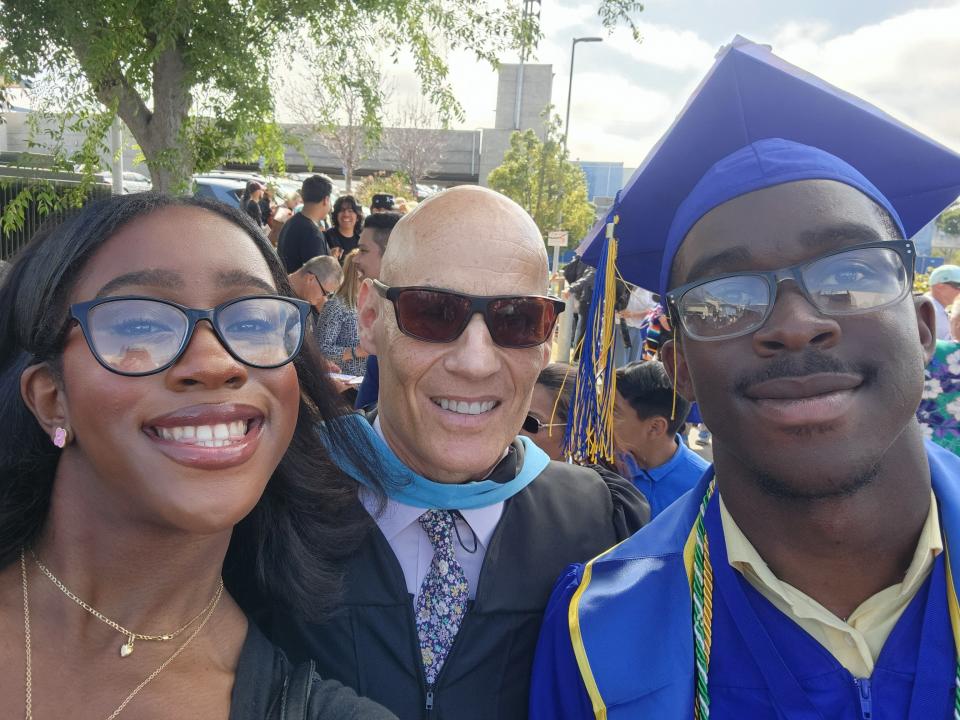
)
(190, 79)
(949, 221)
(344, 117)
(539, 177)
(396, 184)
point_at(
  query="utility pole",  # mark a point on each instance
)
(531, 8)
(573, 51)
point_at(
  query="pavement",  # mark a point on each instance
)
(693, 442)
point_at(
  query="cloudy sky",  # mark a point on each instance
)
(902, 55)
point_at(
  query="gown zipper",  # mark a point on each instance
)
(864, 691)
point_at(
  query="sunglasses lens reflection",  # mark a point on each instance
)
(521, 322)
(432, 316)
(518, 322)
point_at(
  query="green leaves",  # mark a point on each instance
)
(538, 176)
(949, 221)
(615, 12)
(191, 79)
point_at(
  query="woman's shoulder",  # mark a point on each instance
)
(269, 687)
(329, 700)
(332, 308)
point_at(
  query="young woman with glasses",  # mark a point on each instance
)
(160, 415)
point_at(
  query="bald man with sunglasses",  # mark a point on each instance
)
(444, 602)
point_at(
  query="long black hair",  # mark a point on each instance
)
(290, 547)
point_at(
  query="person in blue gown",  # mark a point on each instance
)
(807, 574)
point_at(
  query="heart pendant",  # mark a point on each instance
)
(126, 649)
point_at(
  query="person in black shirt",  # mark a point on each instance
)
(301, 237)
(251, 202)
(267, 205)
(347, 223)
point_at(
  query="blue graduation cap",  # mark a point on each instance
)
(787, 125)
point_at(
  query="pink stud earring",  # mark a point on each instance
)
(60, 437)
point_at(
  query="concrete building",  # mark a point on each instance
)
(604, 179)
(463, 156)
(521, 100)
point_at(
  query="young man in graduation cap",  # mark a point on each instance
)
(806, 575)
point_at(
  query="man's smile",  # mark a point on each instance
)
(810, 400)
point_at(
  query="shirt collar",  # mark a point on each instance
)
(397, 517)
(661, 471)
(743, 556)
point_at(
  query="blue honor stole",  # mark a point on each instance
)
(410, 488)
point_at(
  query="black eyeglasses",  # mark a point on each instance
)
(854, 280)
(534, 425)
(326, 294)
(135, 336)
(441, 316)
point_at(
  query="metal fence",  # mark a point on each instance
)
(15, 179)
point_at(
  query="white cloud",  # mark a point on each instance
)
(613, 119)
(556, 19)
(664, 47)
(905, 64)
(615, 116)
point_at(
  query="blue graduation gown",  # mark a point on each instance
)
(764, 665)
(617, 637)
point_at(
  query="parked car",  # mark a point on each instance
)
(226, 190)
(136, 182)
(425, 191)
(133, 182)
(282, 186)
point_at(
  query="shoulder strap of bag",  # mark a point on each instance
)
(296, 692)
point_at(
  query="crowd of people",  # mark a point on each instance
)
(204, 516)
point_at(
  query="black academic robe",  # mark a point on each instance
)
(567, 514)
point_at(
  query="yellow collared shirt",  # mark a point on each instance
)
(856, 642)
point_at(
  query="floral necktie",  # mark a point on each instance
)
(442, 601)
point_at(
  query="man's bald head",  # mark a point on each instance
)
(474, 226)
(449, 410)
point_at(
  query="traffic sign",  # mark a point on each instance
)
(557, 238)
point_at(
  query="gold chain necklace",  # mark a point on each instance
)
(127, 648)
(28, 714)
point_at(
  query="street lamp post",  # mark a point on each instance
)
(573, 50)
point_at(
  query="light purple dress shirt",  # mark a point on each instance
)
(412, 547)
